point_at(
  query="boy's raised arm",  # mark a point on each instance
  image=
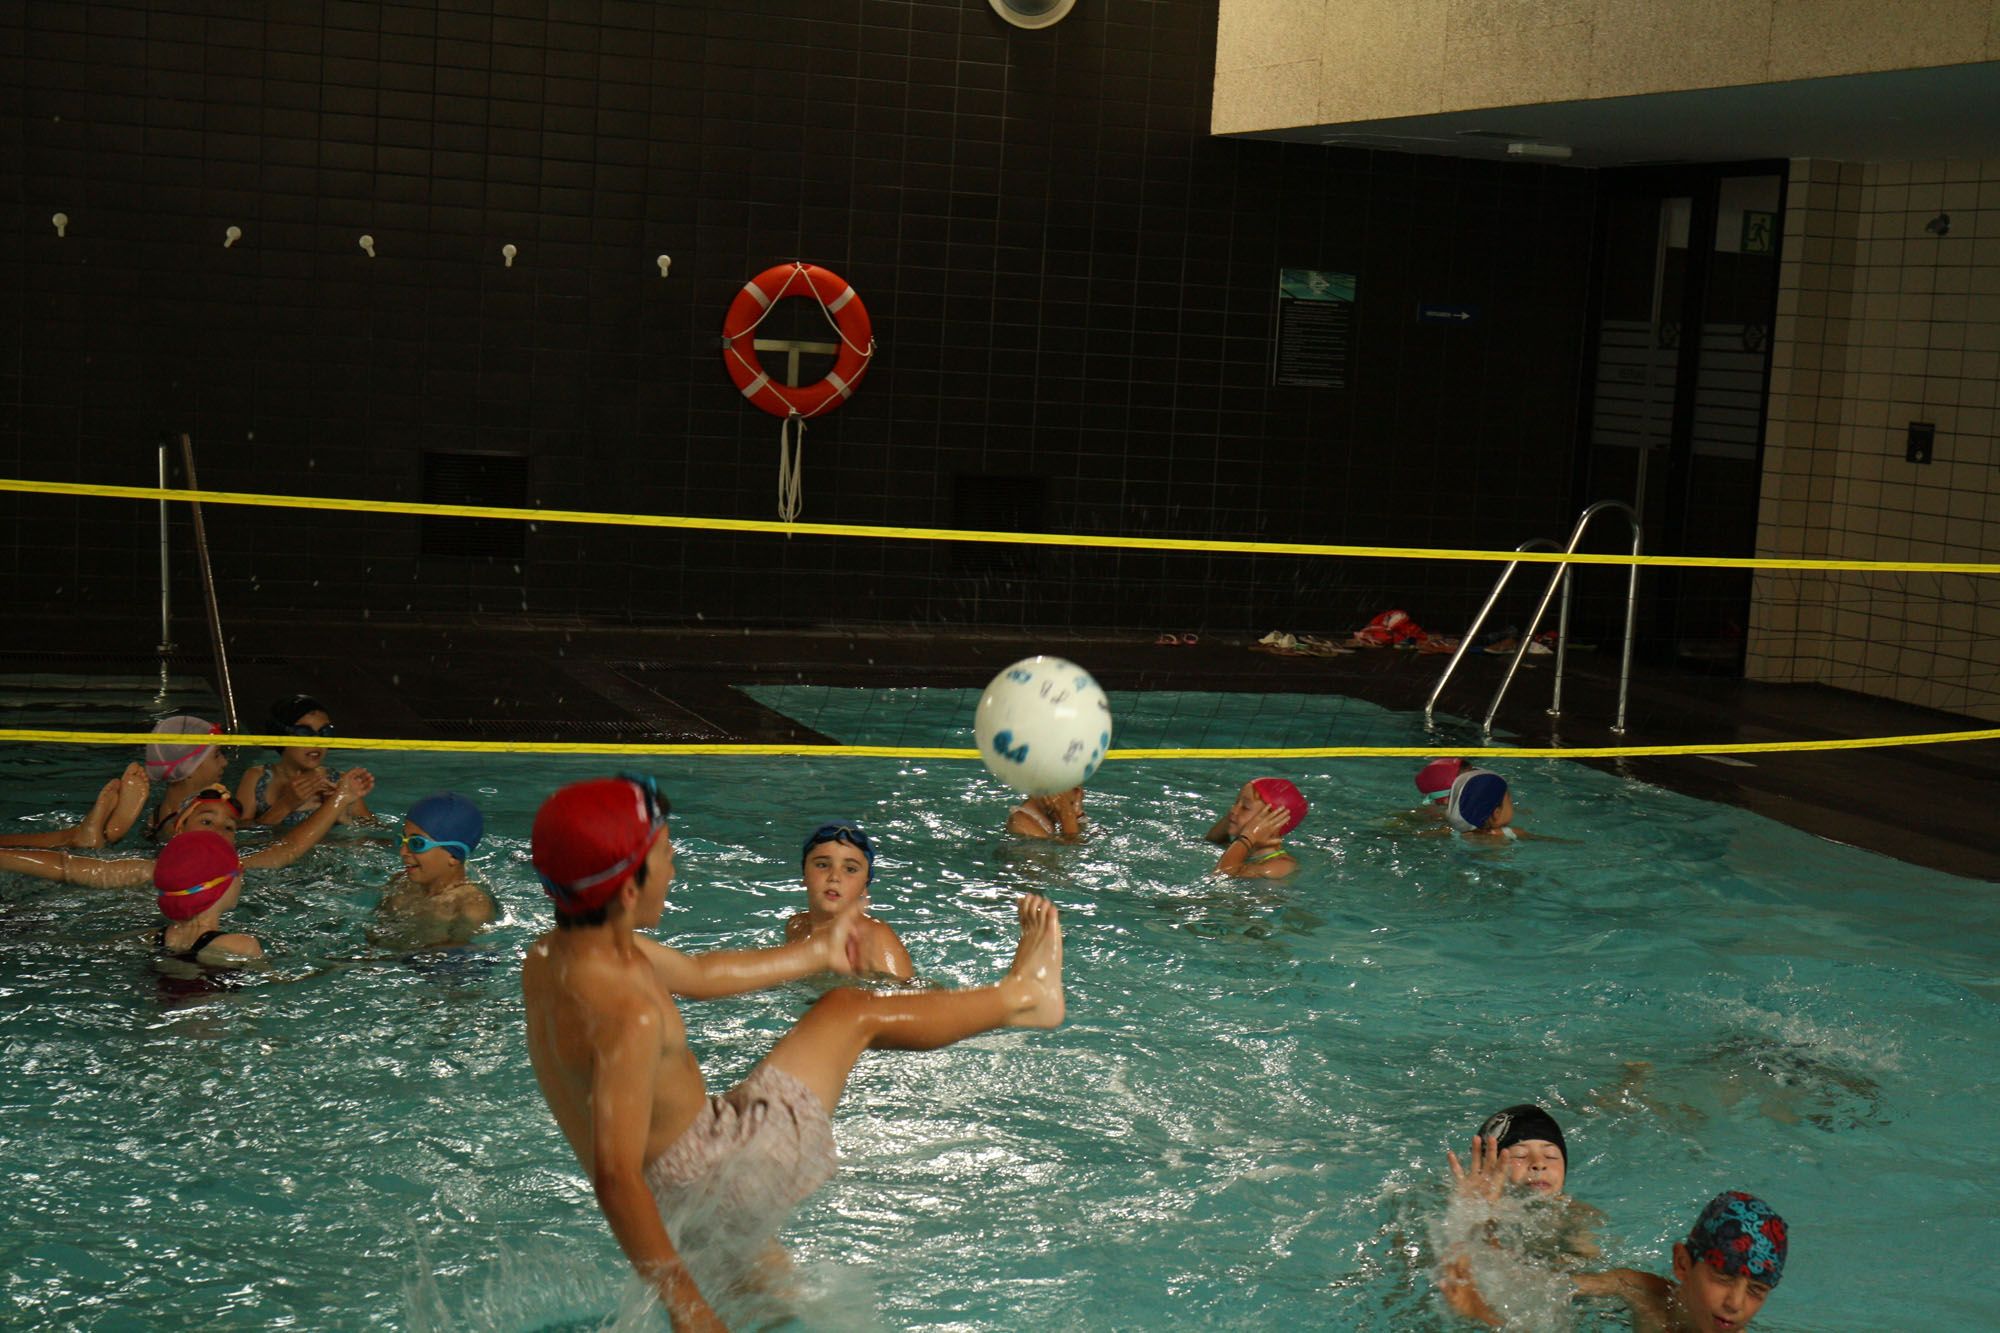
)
(710, 976)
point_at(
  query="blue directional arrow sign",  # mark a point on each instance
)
(1446, 314)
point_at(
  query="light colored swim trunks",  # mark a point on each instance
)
(749, 1159)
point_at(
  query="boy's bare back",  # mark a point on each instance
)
(606, 1039)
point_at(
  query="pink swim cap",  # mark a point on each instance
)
(1282, 795)
(1435, 778)
(193, 871)
(168, 762)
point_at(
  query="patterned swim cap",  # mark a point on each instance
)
(1740, 1233)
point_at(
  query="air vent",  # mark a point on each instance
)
(475, 479)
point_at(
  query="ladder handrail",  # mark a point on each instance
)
(1561, 577)
(1478, 622)
(1527, 638)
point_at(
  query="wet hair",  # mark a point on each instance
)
(596, 916)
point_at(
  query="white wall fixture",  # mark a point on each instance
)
(231, 236)
(1032, 13)
(507, 252)
(666, 262)
(368, 246)
(61, 221)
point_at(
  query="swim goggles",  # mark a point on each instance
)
(841, 830)
(219, 882)
(301, 729)
(213, 794)
(416, 844)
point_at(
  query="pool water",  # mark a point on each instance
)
(1241, 1125)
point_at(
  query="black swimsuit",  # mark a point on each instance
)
(207, 938)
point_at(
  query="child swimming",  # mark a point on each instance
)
(839, 869)
(1522, 1147)
(1253, 830)
(678, 1172)
(185, 768)
(199, 878)
(1731, 1261)
(1059, 816)
(211, 808)
(292, 787)
(433, 900)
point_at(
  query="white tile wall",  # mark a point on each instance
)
(1882, 322)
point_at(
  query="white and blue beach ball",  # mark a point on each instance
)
(1043, 726)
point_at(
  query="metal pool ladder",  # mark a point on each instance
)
(1560, 578)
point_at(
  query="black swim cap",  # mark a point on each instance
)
(1526, 1121)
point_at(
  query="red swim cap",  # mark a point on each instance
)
(591, 836)
(1435, 778)
(1282, 795)
(193, 871)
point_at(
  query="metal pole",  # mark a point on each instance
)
(166, 595)
(222, 681)
(1631, 616)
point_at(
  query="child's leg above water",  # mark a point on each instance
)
(822, 1047)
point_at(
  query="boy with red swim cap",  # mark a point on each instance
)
(678, 1172)
(1253, 830)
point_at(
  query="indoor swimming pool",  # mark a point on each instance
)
(1242, 1124)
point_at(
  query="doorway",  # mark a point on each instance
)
(1686, 294)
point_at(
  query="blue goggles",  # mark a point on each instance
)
(416, 844)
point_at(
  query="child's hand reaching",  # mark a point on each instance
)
(840, 944)
(355, 783)
(1488, 1172)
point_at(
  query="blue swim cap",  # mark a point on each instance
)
(449, 817)
(841, 830)
(1474, 797)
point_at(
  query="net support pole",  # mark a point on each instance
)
(222, 681)
(166, 566)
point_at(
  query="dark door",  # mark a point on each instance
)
(1686, 295)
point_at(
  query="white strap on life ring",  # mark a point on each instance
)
(791, 469)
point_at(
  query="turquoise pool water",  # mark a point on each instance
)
(1242, 1124)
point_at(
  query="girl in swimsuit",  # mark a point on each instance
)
(199, 878)
(1057, 816)
(292, 788)
(1252, 832)
(185, 765)
(211, 809)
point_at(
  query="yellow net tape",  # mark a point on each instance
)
(685, 523)
(29, 735)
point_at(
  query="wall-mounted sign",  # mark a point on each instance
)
(1432, 313)
(1315, 328)
(1760, 233)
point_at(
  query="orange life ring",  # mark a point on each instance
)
(842, 306)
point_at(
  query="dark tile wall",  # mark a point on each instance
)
(1073, 285)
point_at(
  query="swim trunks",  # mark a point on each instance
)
(728, 1183)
